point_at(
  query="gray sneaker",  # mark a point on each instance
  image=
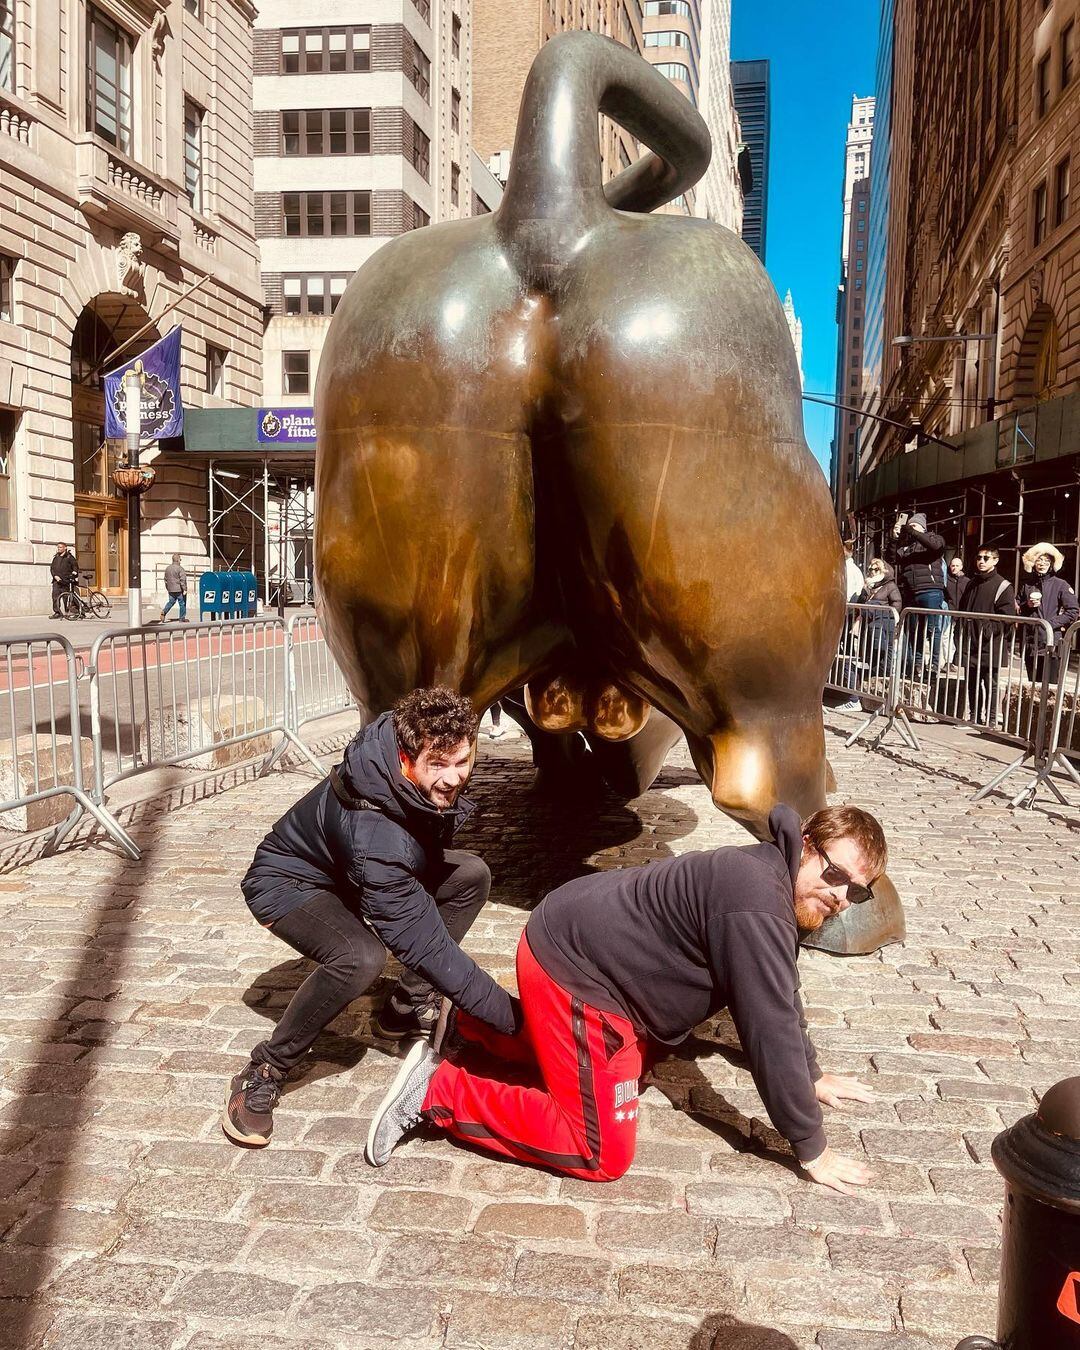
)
(402, 1107)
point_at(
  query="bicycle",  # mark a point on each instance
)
(75, 605)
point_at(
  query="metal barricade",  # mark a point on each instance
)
(316, 685)
(41, 742)
(862, 668)
(985, 671)
(166, 696)
(1063, 741)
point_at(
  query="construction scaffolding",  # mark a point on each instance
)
(262, 520)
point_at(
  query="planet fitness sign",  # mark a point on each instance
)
(287, 426)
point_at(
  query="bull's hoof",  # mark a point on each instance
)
(863, 929)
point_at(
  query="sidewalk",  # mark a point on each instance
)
(129, 992)
(81, 633)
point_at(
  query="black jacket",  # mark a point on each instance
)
(988, 594)
(886, 592)
(63, 566)
(1059, 605)
(917, 558)
(955, 588)
(376, 860)
(669, 944)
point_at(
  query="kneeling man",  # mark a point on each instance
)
(360, 865)
(614, 960)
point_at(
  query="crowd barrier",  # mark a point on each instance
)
(192, 693)
(41, 740)
(998, 674)
(317, 687)
(202, 694)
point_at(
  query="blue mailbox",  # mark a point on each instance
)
(250, 594)
(210, 595)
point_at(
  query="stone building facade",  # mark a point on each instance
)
(982, 277)
(851, 300)
(125, 179)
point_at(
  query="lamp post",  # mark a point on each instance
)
(133, 410)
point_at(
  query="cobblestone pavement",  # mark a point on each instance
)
(130, 992)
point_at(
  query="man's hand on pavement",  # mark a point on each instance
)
(833, 1089)
(838, 1173)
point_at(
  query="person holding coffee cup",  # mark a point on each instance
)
(1046, 596)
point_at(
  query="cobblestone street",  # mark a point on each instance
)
(132, 991)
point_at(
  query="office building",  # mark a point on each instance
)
(750, 85)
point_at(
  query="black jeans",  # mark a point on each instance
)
(329, 930)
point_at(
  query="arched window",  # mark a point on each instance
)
(1037, 361)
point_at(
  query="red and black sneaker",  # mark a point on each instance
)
(248, 1117)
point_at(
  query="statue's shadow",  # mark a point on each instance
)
(534, 841)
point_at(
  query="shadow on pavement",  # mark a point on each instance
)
(721, 1332)
(533, 843)
(41, 1127)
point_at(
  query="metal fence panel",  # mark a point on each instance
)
(166, 696)
(317, 686)
(1062, 752)
(41, 744)
(864, 660)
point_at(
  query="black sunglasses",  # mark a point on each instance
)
(836, 876)
(984, 557)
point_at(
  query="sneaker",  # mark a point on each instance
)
(852, 705)
(248, 1117)
(402, 1107)
(390, 1024)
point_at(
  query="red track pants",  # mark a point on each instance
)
(583, 1121)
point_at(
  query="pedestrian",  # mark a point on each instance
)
(1046, 596)
(361, 865)
(853, 577)
(985, 644)
(64, 570)
(176, 586)
(955, 582)
(879, 628)
(916, 552)
(615, 961)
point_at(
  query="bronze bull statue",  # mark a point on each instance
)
(556, 445)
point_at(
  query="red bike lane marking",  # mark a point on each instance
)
(49, 662)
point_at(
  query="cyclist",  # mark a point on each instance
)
(65, 573)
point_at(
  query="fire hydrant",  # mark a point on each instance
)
(1039, 1295)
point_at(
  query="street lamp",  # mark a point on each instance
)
(133, 410)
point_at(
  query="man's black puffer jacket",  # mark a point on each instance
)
(376, 860)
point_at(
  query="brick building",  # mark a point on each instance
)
(982, 246)
(125, 178)
(506, 38)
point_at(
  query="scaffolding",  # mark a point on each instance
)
(262, 520)
(1009, 510)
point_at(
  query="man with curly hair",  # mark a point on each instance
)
(361, 865)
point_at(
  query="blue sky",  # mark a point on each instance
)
(820, 55)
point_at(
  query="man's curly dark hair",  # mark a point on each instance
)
(437, 718)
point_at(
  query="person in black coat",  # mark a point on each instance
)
(63, 569)
(955, 582)
(985, 645)
(917, 552)
(361, 865)
(878, 630)
(1049, 597)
